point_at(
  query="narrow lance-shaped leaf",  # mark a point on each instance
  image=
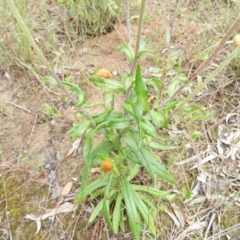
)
(87, 164)
(141, 91)
(107, 202)
(96, 211)
(136, 154)
(79, 129)
(144, 211)
(81, 95)
(153, 191)
(107, 84)
(121, 123)
(133, 109)
(117, 213)
(96, 184)
(157, 167)
(132, 213)
(127, 49)
(159, 146)
(158, 118)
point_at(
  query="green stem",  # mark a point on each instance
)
(139, 33)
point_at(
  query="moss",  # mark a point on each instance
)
(20, 202)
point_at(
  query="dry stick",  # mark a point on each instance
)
(39, 53)
(6, 200)
(35, 46)
(127, 21)
(228, 34)
(209, 79)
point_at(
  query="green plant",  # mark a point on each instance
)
(128, 140)
(93, 17)
(131, 137)
(49, 110)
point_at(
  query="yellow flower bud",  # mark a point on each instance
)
(236, 40)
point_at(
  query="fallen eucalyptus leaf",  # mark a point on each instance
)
(64, 208)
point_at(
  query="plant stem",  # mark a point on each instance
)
(228, 34)
(39, 53)
(139, 33)
(209, 79)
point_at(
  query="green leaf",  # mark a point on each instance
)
(144, 212)
(147, 159)
(96, 184)
(117, 213)
(118, 124)
(96, 211)
(149, 129)
(107, 202)
(170, 106)
(186, 193)
(158, 118)
(173, 87)
(81, 95)
(87, 165)
(141, 91)
(109, 100)
(50, 81)
(153, 191)
(128, 80)
(114, 139)
(133, 109)
(79, 129)
(157, 167)
(195, 135)
(107, 84)
(134, 143)
(128, 50)
(101, 117)
(156, 84)
(159, 146)
(104, 148)
(132, 213)
(114, 115)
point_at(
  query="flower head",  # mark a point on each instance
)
(104, 73)
(236, 40)
(107, 166)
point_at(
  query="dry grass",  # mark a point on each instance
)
(195, 31)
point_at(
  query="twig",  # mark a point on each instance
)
(18, 106)
(228, 230)
(209, 79)
(228, 34)
(33, 128)
(39, 53)
(6, 199)
(127, 21)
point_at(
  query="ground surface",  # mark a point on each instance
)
(31, 139)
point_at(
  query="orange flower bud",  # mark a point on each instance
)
(104, 73)
(107, 166)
